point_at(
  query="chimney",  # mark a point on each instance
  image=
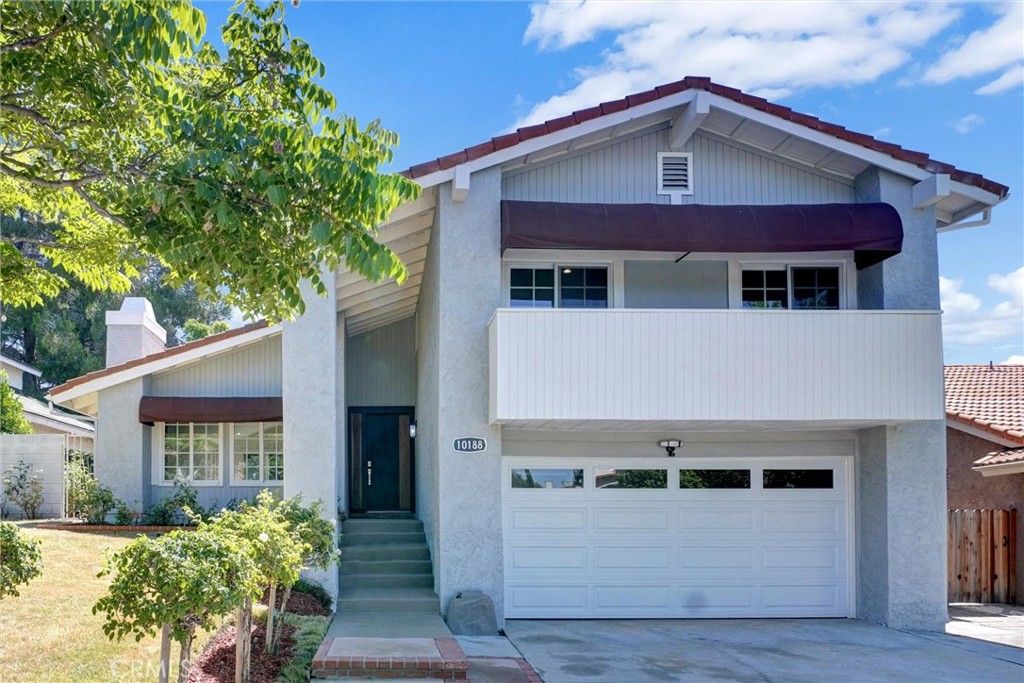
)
(133, 332)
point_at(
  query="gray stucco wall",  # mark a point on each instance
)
(123, 444)
(687, 284)
(467, 244)
(380, 366)
(428, 324)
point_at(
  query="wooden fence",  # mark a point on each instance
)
(982, 556)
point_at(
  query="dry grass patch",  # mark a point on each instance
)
(50, 634)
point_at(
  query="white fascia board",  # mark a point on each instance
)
(460, 184)
(996, 470)
(981, 434)
(70, 395)
(561, 136)
(7, 360)
(930, 190)
(425, 202)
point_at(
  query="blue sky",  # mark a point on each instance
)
(942, 78)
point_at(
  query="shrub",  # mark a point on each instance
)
(172, 510)
(182, 581)
(124, 514)
(20, 559)
(315, 590)
(24, 489)
(86, 498)
(12, 416)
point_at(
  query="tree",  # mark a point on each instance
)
(177, 583)
(262, 530)
(65, 337)
(134, 134)
(20, 559)
(12, 414)
(317, 536)
(196, 329)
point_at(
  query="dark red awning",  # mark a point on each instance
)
(154, 409)
(874, 232)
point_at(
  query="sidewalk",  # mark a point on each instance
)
(1003, 624)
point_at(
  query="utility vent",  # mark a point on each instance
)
(674, 173)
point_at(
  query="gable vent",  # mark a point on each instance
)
(675, 173)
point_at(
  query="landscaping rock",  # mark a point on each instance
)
(471, 613)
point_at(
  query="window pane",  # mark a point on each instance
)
(797, 479)
(714, 479)
(775, 279)
(816, 288)
(753, 278)
(596, 277)
(547, 479)
(521, 277)
(519, 294)
(545, 298)
(572, 277)
(544, 278)
(572, 297)
(631, 479)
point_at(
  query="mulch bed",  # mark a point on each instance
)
(217, 662)
(300, 603)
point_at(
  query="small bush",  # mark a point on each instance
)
(24, 489)
(314, 589)
(171, 510)
(20, 559)
(86, 498)
(125, 514)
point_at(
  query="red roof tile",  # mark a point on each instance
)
(919, 159)
(173, 351)
(1003, 457)
(987, 397)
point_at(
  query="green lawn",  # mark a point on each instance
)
(49, 634)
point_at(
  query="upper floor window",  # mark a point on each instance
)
(796, 287)
(577, 287)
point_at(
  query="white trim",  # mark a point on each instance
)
(687, 123)
(157, 468)
(982, 434)
(846, 301)
(18, 365)
(263, 457)
(930, 190)
(1000, 469)
(675, 193)
(614, 286)
(160, 364)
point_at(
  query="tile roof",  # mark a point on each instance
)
(987, 397)
(173, 351)
(501, 142)
(1003, 457)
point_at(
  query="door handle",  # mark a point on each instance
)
(369, 473)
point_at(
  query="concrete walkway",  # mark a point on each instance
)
(1003, 624)
(761, 651)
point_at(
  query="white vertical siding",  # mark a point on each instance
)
(253, 370)
(714, 365)
(380, 366)
(625, 172)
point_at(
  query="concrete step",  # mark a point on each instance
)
(384, 580)
(386, 567)
(381, 538)
(389, 600)
(396, 551)
(376, 525)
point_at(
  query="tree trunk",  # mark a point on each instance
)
(279, 624)
(268, 639)
(243, 642)
(165, 653)
(185, 661)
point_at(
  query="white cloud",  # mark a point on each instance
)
(968, 123)
(881, 133)
(993, 49)
(1015, 359)
(967, 322)
(769, 48)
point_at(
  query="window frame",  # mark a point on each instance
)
(846, 288)
(160, 453)
(262, 481)
(556, 268)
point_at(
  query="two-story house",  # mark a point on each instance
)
(675, 355)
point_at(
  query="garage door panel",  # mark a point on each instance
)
(716, 558)
(537, 519)
(633, 558)
(677, 552)
(527, 558)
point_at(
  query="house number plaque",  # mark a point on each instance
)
(469, 444)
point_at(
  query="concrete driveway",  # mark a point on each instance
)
(756, 650)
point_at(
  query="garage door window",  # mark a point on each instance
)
(797, 479)
(714, 479)
(547, 479)
(631, 479)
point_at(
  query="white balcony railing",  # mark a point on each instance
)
(650, 369)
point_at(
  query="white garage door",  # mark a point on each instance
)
(728, 537)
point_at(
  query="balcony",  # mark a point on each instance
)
(655, 370)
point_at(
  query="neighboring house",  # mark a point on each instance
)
(16, 371)
(689, 264)
(44, 418)
(985, 443)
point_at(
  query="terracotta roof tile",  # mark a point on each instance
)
(173, 351)
(703, 83)
(1003, 457)
(987, 397)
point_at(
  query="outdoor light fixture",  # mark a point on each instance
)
(670, 447)
(412, 430)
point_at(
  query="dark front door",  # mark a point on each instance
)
(380, 459)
